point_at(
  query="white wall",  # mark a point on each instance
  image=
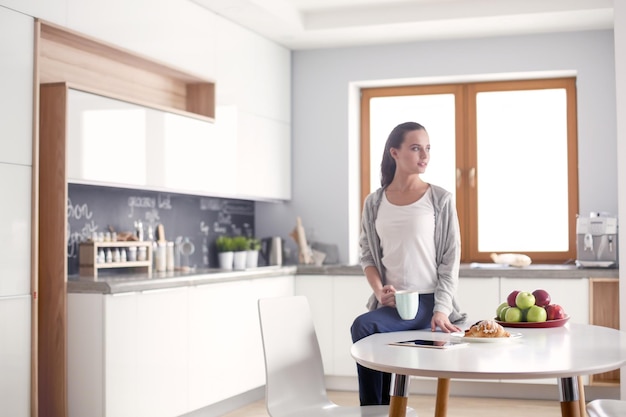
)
(324, 172)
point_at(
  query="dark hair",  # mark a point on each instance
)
(395, 139)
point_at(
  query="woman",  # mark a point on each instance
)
(409, 241)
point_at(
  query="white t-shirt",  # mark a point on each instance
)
(407, 239)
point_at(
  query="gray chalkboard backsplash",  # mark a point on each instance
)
(200, 219)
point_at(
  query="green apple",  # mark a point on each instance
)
(536, 314)
(513, 315)
(502, 313)
(524, 300)
(500, 307)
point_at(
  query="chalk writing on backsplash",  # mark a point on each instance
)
(204, 231)
(140, 202)
(200, 219)
(165, 202)
(78, 212)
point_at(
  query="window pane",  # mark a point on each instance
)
(522, 171)
(436, 113)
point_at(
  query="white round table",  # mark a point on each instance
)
(562, 352)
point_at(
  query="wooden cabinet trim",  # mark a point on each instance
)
(67, 56)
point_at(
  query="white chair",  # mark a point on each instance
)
(606, 408)
(295, 385)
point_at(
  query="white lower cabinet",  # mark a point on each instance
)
(15, 356)
(478, 297)
(335, 302)
(166, 352)
(162, 343)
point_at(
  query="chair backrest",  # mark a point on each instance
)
(293, 362)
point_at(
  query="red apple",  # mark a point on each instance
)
(542, 298)
(511, 298)
(555, 312)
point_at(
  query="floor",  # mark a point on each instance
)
(425, 406)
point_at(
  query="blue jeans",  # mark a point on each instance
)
(374, 385)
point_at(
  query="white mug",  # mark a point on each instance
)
(407, 303)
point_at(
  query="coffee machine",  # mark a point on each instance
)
(596, 241)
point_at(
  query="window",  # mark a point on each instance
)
(506, 150)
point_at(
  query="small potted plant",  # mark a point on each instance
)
(252, 257)
(240, 248)
(225, 251)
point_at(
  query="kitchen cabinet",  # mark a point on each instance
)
(16, 84)
(119, 143)
(479, 297)
(227, 343)
(335, 302)
(604, 311)
(166, 352)
(179, 34)
(258, 114)
(254, 74)
(15, 319)
(15, 229)
(162, 346)
(16, 170)
(263, 158)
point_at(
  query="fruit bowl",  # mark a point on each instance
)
(535, 325)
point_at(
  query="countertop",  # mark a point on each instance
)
(142, 282)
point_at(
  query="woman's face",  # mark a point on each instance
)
(414, 153)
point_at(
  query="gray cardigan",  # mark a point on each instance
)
(447, 249)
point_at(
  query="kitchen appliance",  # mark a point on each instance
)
(272, 250)
(596, 241)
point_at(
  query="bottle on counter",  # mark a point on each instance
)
(169, 263)
(132, 253)
(161, 257)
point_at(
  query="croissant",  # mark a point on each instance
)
(487, 328)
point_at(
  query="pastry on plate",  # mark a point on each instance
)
(486, 328)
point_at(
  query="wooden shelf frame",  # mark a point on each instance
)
(62, 58)
(88, 257)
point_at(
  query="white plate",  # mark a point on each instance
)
(461, 335)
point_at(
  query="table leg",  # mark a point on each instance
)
(399, 394)
(568, 393)
(581, 397)
(443, 392)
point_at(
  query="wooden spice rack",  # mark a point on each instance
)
(88, 257)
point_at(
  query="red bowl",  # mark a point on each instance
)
(535, 325)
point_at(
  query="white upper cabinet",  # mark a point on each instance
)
(16, 84)
(113, 142)
(107, 140)
(263, 158)
(253, 73)
(178, 33)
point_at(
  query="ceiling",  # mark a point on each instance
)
(311, 24)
